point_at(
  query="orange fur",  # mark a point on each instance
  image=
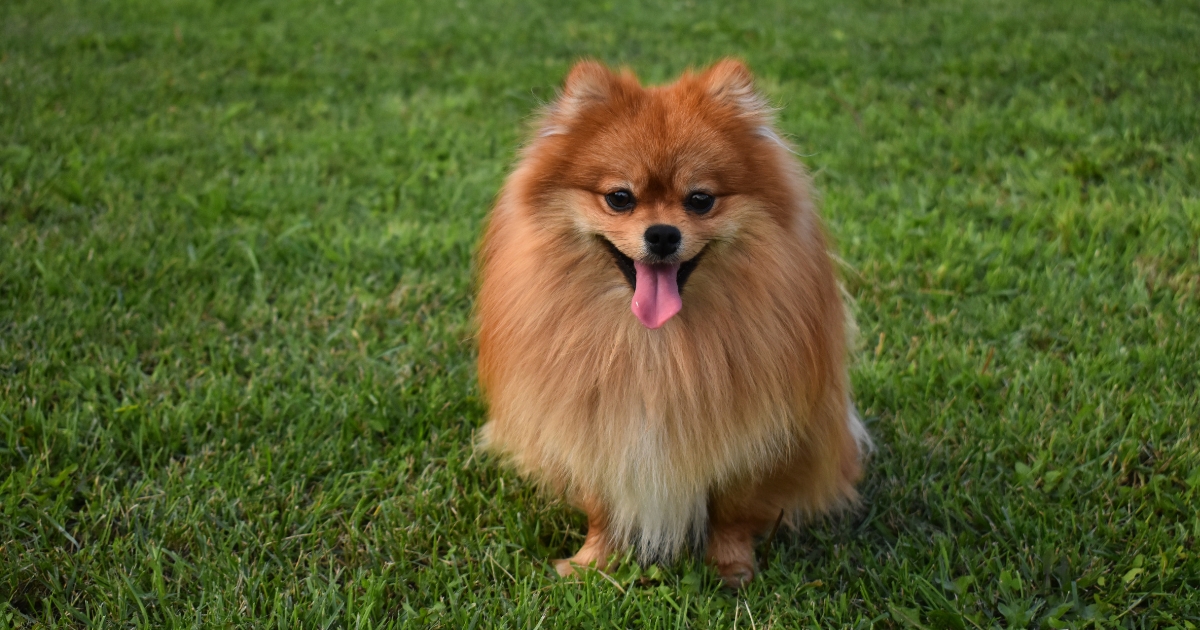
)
(737, 408)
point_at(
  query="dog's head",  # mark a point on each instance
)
(657, 174)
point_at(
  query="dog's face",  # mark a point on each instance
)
(655, 175)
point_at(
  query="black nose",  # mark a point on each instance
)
(663, 240)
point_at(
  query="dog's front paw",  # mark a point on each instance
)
(565, 567)
(575, 565)
(735, 575)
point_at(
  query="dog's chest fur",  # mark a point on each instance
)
(645, 423)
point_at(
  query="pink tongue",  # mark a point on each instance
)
(656, 297)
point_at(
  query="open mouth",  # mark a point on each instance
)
(656, 286)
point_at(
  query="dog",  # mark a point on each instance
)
(662, 336)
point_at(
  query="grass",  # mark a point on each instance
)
(236, 362)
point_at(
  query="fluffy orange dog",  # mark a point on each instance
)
(662, 339)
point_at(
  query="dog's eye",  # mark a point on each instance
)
(620, 200)
(699, 202)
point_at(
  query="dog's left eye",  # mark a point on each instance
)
(699, 202)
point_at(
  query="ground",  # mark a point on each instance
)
(236, 357)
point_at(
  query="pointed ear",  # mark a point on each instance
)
(589, 83)
(729, 81)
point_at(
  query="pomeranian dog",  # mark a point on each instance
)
(662, 339)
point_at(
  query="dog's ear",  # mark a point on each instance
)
(729, 81)
(588, 84)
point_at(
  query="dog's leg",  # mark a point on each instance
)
(731, 551)
(596, 547)
(816, 477)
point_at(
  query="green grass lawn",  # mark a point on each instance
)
(236, 357)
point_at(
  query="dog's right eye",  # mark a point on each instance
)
(620, 200)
